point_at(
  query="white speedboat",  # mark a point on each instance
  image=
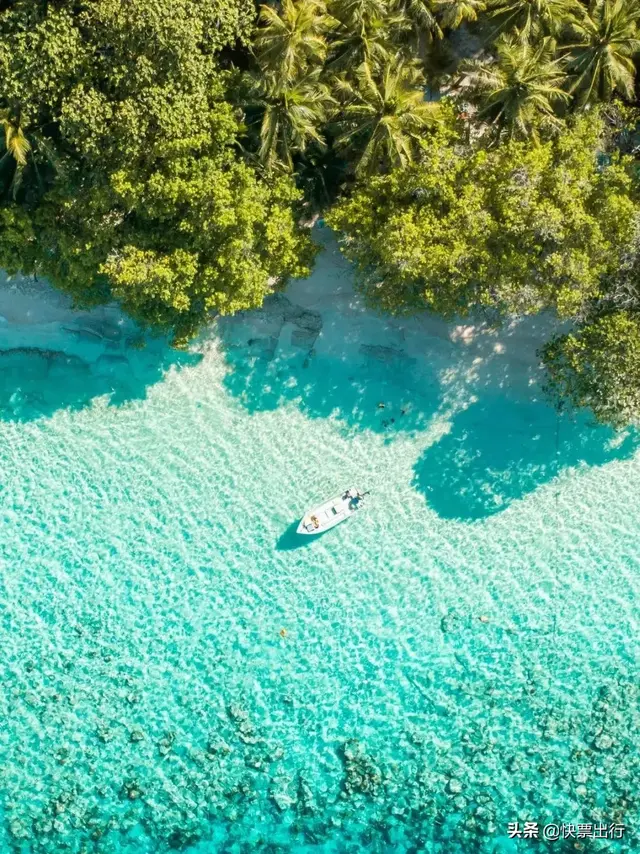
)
(331, 513)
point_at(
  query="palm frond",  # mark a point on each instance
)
(293, 114)
(15, 141)
(453, 13)
(293, 38)
(603, 46)
(532, 19)
(385, 116)
(521, 87)
(367, 31)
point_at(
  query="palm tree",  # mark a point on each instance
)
(292, 114)
(287, 42)
(423, 18)
(385, 116)
(367, 31)
(520, 89)
(453, 13)
(602, 53)
(533, 18)
(17, 147)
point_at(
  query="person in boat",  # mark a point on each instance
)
(315, 521)
(355, 497)
(358, 498)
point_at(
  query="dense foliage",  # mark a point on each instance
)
(598, 366)
(515, 228)
(475, 155)
(129, 183)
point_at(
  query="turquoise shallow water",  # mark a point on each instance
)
(180, 673)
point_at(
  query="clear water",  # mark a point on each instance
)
(179, 673)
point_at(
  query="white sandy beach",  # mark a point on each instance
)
(321, 315)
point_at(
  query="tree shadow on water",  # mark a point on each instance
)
(35, 382)
(499, 450)
(365, 394)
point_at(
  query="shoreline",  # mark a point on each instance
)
(322, 316)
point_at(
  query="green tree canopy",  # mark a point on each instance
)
(518, 88)
(293, 38)
(385, 116)
(422, 16)
(137, 191)
(602, 51)
(453, 13)
(597, 366)
(516, 228)
(366, 33)
(533, 19)
(292, 113)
